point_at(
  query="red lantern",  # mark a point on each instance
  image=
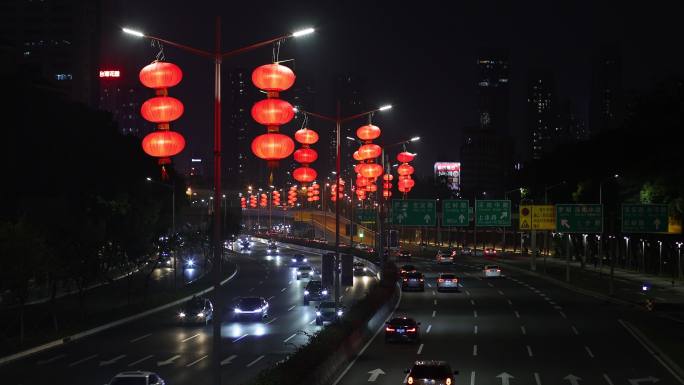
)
(304, 174)
(370, 170)
(305, 155)
(386, 193)
(163, 144)
(368, 132)
(388, 177)
(316, 198)
(372, 188)
(306, 136)
(405, 169)
(272, 146)
(357, 156)
(273, 77)
(160, 74)
(161, 109)
(272, 112)
(406, 183)
(361, 182)
(405, 157)
(387, 185)
(369, 151)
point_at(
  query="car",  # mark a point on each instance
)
(196, 310)
(466, 251)
(136, 378)
(298, 260)
(489, 252)
(444, 258)
(314, 291)
(272, 248)
(413, 281)
(360, 269)
(305, 271)
(405, 254)
(189, 263)
(448, 281)
(491, 271)
(326, 312)
(402, 329)
(245, 244)
(250, 307)
(405, 269)
(430, 372)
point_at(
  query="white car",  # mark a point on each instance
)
(305, 271)
(136, 378)
(491, 271)
(443, 258)
(448, 281)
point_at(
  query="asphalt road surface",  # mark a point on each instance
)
(179, 354)
(513, 330)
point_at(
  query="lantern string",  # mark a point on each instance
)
(305, 121)
(156, 43)
(276, 51)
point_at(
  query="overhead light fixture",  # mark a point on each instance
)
(133, 32)
(303, 32)
(383, 108)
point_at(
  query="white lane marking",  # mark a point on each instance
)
(501, 292)
(271, 297)
(347, 289)
(228, 360)
(574, 330)
(467, 292)
(420, 349)
(241, 337)
(529, 350)
(291, 307)
(474, 350)
(434, 302)
(510, 303)
(196, 361)
(283, 289)
(82, 360)
(272, 320)
(433, 293)
(523, 330)
(427, 331)
(251, 289)
(141, 360)
(475, 313)
(189, 338)
(312, 321)
(53, 359)
(552, 303)
(558, 308)
(489, 284)
(261, 282)
(589, 352)
(563, 314)
(169, 361)
(475, 329)
(429, 285)
(140, 338)
(537, 379)
(255, 361)
(472, 378)
(608, 380)
(517, 315)
(433, 313)
(472, 302)
(289, 282)
(113, 360)
(290, 337)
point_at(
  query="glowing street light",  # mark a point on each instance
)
(303, 32)
(133, 32)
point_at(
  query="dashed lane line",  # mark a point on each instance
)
(472, 378)
(272, 320)
(191, 337)
(196, 361)
(537, 379)
(472, 302)
(467, 293)
(475, 313)
(523, 330)
(312, 321)
(228, 360)
(517, 315)
(50, 360)
(241, 337)
(474, 350)
(271, 297)
(563, 315)
(529, 350)
(510, 302)
(291, 307)
(608, 380)
(501, 292)
(427, 331)
(475, 329)
(433, 293)
(420, 349)
(434, 302)
(255, 361)
(574, 330)
(433, 313)
(289, 338)
(141, 360)
(82, 360)
(140, 338)
(589, 352)
(283, 289)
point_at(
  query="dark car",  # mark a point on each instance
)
(327, 312)
(245, 244)
(360, 269)
(314, 291)
(272, 248)
(196, 310)
(250, 307)
(430, 372)
(405, 254)
(402, 329)
(413, 281)
(298, 260)
(405, 269)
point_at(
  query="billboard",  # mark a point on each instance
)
(451, 171)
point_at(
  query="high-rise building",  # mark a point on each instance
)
(58, 41)
(494, 94)
(349, 90)
(571, 127)
(239, 164)
(122, 95)
(607, 104)
(541, 112)
(486, 163)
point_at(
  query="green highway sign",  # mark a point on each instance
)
(414, 212)
(492, 213)
(579, 218)
(638, 218)
(455, 213)
(365, 215)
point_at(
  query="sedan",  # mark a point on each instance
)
(491, 271)
(445, 258)
(298, 260)
(305, 271)
(402, 329)
(447, 281)
(430, 372)
(490, 252)
(196, 310)
(405, 269)
(315, 291)
(251, 307)
(413, 281)
(326, 312)
(405, 254)
(360, 269)
(136, 378)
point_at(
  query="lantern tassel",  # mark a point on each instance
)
(164, 174)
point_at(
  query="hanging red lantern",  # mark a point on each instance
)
(161, 109)
(306, 136)
(273, 77)
(370, 170)
(272, 146)
(316, 198)
(272, 112)
(388, 177)
(386, 185)
(368, 132)
(357, 156)
(371, 188)
(361, 182)
(160, 74)
(304, 174)
(406, 183)
(163, 144)
(369, 151)
(405, 169)
(386, 193)
(405, 157)
(305, 155)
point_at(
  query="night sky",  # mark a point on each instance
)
(421, 58)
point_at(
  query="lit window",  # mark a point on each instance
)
(63, 76)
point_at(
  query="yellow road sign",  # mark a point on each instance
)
(537, 217)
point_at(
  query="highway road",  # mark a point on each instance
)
(513, 330)
(179, 354)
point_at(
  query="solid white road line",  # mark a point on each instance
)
(472, 378)
(589, 352)
(563, 314)
(433, 313)
(141, 360)
(196, 361)
(523, 330)
(272, 320)
(427, 331)
(608, 380)
(255, 361)
(517, 315)
(574, 330)
(241, 337)
(291, 307)
(82, 360)
(475, 329)
(228, 360)
(474, 350)
(140, 338)
(420, 349)
(537, 379)
(189, 338)
(529, 350)
(290, 337)
(475, 313)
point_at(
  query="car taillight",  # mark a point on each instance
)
(498, 270)
(405, 279)
(448, 381)
(440, 280)
(412, 330)
(389, 329)
(421, 280)
(409, 380)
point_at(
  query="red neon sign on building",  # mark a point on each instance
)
(110, 74)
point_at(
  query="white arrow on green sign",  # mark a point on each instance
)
(414, 212)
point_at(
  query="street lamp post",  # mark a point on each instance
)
(217, 56)
(338, 120)
(603, 231)
(679, 259)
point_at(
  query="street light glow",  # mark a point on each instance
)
(133, 32)
(383, 108)
(149, 179)
(303, 32)
(350, 138)
(415, 138)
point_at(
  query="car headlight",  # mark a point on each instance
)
(200, 314)
(318, 313)
(304, 260)
(294, 260)
(181, 315)
(306, 292)
(299, 273)
(339, 313)
(191, 262)
(365, 269)
(324, 292)
(237, 310)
